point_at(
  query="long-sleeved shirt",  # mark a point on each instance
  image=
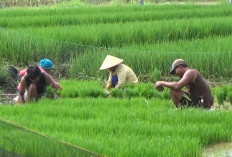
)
(125, 74)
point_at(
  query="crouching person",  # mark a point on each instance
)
(34, 85)
(198, 92)
(120, 74)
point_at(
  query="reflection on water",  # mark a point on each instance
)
(218, 150)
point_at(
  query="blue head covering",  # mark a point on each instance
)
(46, 64)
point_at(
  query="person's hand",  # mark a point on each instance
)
(107, 93)
(159, 86)
(59, 87)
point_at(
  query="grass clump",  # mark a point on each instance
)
(220, 96)
(77, 89)
(132, 127)
(5, 79)
(156, 75)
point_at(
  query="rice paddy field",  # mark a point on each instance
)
(136, 121)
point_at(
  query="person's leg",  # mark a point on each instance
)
(32, 92)
(176, 96)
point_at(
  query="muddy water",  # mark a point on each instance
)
(218, 150)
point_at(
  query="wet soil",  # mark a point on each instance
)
(218, 150)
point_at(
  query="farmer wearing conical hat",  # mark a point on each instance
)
(198, 92)
(120, 74)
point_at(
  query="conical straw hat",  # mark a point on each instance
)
(110, 61)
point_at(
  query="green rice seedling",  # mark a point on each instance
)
(91, 89)
(50, 92)
(229, 95)
(148, 91)
(156, 75)
(213, 91)
(166, 94)
(63, 33)
(69, 89)
(1, 92)
(28, 142)
(147, 61)
(58, 33)
(220, 96)
(111, 14)
(225, 89)
(5, 79)
(117, 93)
(128, 93)
(132, 127)
(106, 38)
(76, 93)
(74, 89)
(156, 94)
(130, 85)
(143, 90)
(58, 92)
(94, 93)
(131, 92)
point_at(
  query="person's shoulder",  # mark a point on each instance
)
(124, 66)
(194, 71)
(191, 73)
(42, 69)
(46, 75)
(120, 67)
(24, 78)
(22, 72)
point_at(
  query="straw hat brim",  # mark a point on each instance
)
(110, 61)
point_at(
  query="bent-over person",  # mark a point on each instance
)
(198, 92)
(34, 84)
(120, 74)
(45, 65)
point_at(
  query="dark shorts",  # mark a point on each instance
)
(185, 102)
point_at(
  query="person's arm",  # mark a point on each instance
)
(109, 83)
(42, 70)
(188, 76)
(121, 78)
(22, 91)
(59, 87)
(51, 82)
(22, 72)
